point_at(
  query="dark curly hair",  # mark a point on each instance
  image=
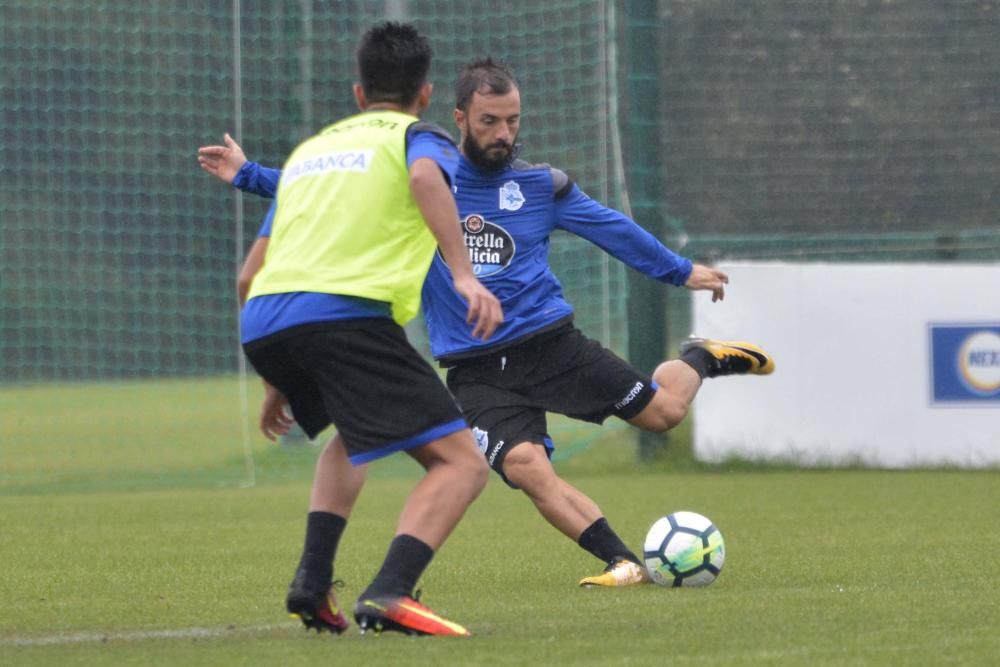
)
(485, 76)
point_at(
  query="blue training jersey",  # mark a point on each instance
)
(268, 314)
(507, 219)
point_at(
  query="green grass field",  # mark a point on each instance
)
(111, 557)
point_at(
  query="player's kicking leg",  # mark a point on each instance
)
(573, 513)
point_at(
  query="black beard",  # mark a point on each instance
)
(482, 159)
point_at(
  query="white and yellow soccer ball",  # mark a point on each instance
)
(684, 549)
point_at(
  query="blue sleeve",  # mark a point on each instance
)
(434, 146)
(263, 181)
(257, 179)
(620, 237)
(265, 227)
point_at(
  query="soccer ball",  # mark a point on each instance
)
(684, 549)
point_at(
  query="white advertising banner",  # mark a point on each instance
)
(888, 365)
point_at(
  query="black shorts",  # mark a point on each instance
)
(505, 395)
(363, 377)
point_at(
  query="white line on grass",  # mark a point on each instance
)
(137, 635)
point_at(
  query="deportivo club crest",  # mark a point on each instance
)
(511, 198)
(482, 439)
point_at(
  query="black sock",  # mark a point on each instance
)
(700, 360)
(601, 541)
(406, 560)
(323, 531)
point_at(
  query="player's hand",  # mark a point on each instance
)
(485, 313)
(706, 278)
(222, 161)
(275, 415)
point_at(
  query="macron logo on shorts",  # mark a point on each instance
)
(630, 396)
(354, 160)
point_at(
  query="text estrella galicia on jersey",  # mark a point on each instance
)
(490, 246)
(511, 198)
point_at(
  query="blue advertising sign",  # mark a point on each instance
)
(965, 364)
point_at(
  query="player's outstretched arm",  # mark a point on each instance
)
(223, 162)
(434, 198)
(706, 278)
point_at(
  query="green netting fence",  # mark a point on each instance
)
(118, 256)
(846, 130)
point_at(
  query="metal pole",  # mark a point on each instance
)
(248, 460)
(647, 298)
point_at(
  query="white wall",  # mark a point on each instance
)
(853, 380)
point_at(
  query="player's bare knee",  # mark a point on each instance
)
(527, 467)
(473, 465)
(478, 472)
(469, 473)
(531, 481)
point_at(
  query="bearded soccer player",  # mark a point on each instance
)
(538, 361)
